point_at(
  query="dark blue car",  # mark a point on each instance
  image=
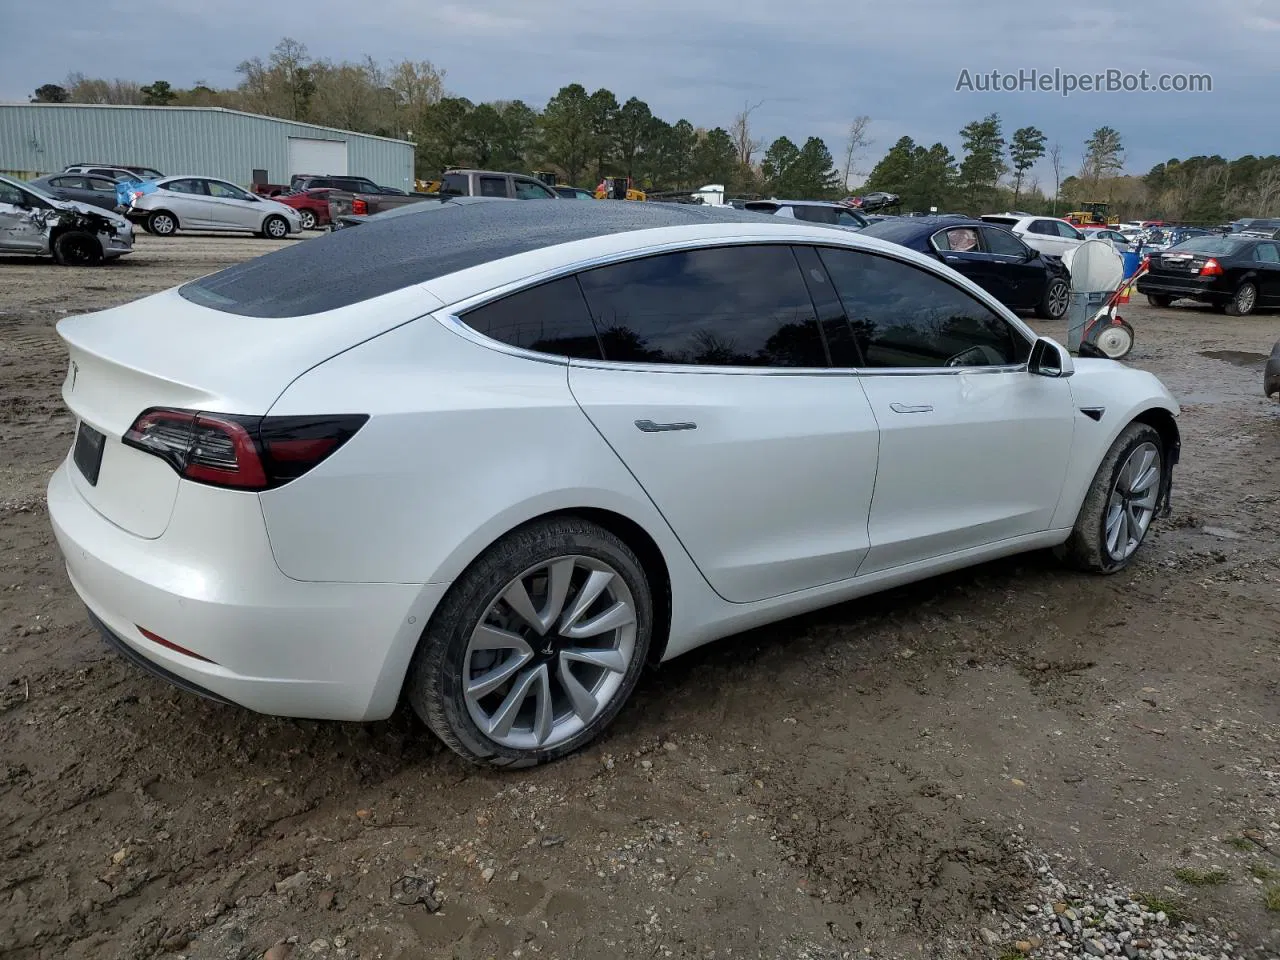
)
(1015, 274)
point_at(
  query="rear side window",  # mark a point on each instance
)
(740, 306)
(904, 316)
(186, 186)
(550, 318)
(455, 183)
(493, 186)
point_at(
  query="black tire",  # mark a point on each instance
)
(275, 227)
(1159, 299)
(434, 686)
(1056, 299)
(1243, 302)
(162, 223)
(77, 248)
(1086, 548)
(308, 219)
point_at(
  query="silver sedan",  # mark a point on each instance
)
(202, 203)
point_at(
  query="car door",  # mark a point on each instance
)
(1022, 272)
(101, 192)
(231, 208)
(1267, 255)
(188, 199)
(1043, 235)
(22, 227)
(960, 248)
(973, 447)
(716, 393)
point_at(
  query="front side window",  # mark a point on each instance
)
(1267, 253)
(549, 318)
(904, 316)
(531, 190)
(225, 191)
(11, 195)
(1067, 230)
(737, 306)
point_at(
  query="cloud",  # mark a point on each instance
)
(813, 64)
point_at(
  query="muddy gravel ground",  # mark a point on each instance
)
(877, 779)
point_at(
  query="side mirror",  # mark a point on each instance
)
(1050, 359)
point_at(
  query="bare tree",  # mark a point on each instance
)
(854, 146)
(1055, 160)
(740, 131)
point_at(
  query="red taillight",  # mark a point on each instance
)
(245, 453)
(1211, 268)
(359, 207)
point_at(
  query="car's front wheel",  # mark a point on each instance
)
(77, 248)
(275, 227)
(537, 645)
(1120, 505)
(1057, 296)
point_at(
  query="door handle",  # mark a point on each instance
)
(951, 259)
(911, 408)
(648, 426)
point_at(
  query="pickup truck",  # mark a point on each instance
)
(312, 181)
(493, 183)
(344, 203)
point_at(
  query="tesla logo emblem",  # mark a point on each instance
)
(75, 372)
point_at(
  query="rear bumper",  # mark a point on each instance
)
(1192, 288)
(336, 651)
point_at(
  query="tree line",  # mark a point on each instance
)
(581, 135)
(585, 135)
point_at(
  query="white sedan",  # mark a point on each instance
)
(495, 457)
(170, 204)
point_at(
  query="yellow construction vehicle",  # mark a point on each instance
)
(426, 186)
(618, 188)
(1091, 214)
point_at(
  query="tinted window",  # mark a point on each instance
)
(106, 186)
(815, 214)
(551, 318)
(455, 183)
(1003, 243)
(1267, 253)
(493, 186)
(76, 183)
(1044, 227)
(530, 190)
(1003, 221)
(906, 317)
(1211, 246)
(725, 306)
(847, 218)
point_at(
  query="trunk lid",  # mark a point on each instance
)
(165, 351)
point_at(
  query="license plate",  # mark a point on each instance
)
(88, 452)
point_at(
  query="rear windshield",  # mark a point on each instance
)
(1211, 246)
(1006, 221)
(455, 184)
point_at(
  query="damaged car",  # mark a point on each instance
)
(74, 234)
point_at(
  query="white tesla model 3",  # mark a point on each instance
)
(494, 457)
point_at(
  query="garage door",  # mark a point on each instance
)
(317, 156)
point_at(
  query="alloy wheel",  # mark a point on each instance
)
(1246, 297)
(1059, 297)
(1132, 503)
(550, 653)
(277, 228)
(308, 220)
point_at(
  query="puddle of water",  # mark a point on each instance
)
(1241, 358)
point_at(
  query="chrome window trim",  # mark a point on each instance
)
(451, 316)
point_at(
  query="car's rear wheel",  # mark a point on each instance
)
(1159, 299)
(1244, 300)
(275, 227)
(308, 219)
(162, 223)
(77, 248)
(1121, 503)
(1057, 296)
(537, 645)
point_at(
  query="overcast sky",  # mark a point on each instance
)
(815, 64)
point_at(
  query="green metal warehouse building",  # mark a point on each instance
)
(40, 138)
